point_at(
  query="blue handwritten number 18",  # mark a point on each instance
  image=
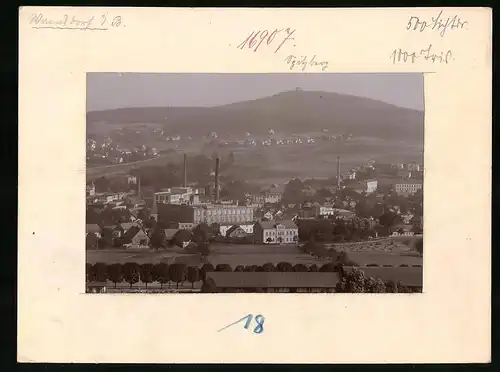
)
(259, 319)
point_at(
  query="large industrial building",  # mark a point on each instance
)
(182, 205)
(204, 213)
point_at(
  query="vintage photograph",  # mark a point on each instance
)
(260, 183)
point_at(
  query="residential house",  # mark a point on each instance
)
(169, 235)
(413, 167)
(248, 228)
(91, 189)
(280, 282)
(269, 215)
(181, 225)
(126, 226)
(135, 237)
(93, 228)
(308, 210)
(182, 238)
(408, 187)
(407, 218)
(92, 237)
(257, 199)
(107, 197)
(238, 234)
(274, 194)
(397, 166)
(369, 186)
(328, 210)
(404, 174)
(279, 214)
(112, 234)
(402, 230)
(350, 175)
(272, 232)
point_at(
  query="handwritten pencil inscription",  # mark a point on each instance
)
(72, 22)
(304, 62)
(438, 24)
(400, 55)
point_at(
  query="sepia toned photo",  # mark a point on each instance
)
(261, 183)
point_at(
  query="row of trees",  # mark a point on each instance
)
(178, 273)
(353, 281)
(147, 273)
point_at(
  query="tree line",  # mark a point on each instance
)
(353, 280)
(178, 273)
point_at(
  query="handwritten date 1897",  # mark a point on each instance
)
(401, 56)
(257, 38)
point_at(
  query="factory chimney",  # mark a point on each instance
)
(139, 186)
(338, 172)
(216, 183)
(185, 171)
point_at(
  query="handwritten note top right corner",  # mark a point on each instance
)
(435, 30)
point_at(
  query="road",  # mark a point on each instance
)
(96, 172)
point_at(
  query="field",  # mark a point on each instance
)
(235, 255)
(280, 163)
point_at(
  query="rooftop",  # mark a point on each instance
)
(407, 182)
(170, 233)
(92, 227)
(274, 279)
(289, 224)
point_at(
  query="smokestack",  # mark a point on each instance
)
(217, 161)
(338, 172)
(185, 170)
(139, 186)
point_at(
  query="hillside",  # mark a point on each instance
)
(287, 112)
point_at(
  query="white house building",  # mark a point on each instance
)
(248, 228)
(273, 232)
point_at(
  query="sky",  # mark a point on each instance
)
(117, 90)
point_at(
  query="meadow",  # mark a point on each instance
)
(235, 254)
(280, 163)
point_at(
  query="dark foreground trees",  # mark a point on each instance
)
(178, 273)
(146, 273)
(193, 275)
(161, 273)
(353, 280)
(115, 273)
(131, 273)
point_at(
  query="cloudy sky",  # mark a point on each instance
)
(115, 90)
